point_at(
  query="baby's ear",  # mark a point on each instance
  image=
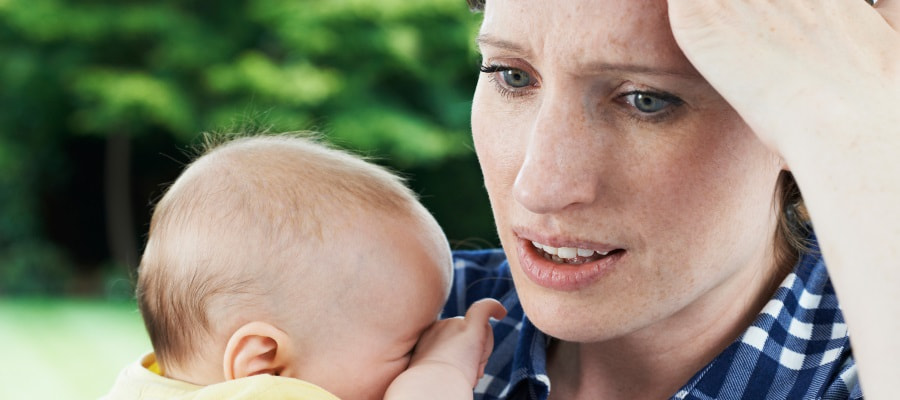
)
(258, 348)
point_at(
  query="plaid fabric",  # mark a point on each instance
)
(797, 348)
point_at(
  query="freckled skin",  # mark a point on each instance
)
(690, 196)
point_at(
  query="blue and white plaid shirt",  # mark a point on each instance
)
(796, 349)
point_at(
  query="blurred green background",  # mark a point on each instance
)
(102, 100)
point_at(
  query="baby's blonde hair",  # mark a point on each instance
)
(238, 221)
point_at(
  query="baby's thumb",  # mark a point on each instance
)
(477, 316)
(483, 309)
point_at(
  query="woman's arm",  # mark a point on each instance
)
(819, 83)
(450, 356)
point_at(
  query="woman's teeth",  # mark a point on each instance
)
(568, 255)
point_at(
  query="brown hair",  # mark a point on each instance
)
(237, 221)
(794, 228)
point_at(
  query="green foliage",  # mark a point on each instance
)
(392, 78)
(113, 99)
(33, 267)
(140, 67)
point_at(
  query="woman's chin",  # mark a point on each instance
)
(574, 322)
(576, 332)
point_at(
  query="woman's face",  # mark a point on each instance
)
(596, 136)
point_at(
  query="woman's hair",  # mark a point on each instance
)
(238, 227)
(792, 233)
(793, 230)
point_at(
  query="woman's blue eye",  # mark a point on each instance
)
(516, 78)
(647, 103)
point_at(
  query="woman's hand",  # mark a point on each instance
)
(792, 69)
(818, 81)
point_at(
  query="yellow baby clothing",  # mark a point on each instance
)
(142, 380)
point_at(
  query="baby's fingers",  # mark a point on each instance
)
(483, 309)
(477, 317)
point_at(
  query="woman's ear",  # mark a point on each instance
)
(258, 348)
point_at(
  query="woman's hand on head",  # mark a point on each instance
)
(819, 82)
(796, 69)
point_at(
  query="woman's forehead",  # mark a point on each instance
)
(584, 34)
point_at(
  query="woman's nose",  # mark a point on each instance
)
(559, 168)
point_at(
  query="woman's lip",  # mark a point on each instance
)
(562, 277)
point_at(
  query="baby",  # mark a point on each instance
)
(275, 257)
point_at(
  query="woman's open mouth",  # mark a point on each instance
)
(566, 268)
(570, 255)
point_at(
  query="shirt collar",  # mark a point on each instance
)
(804, 305)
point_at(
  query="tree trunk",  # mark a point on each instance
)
(119, 220)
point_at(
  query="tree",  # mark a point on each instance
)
(390, 78)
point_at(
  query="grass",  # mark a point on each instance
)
(65, 348)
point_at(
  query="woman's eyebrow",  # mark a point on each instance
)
(486, 39)
(688, 73)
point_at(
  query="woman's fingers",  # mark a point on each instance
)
(788, 67)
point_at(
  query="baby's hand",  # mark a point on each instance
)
(461, 343)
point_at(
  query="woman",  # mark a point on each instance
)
(639, 157)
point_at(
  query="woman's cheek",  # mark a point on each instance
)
(497, 136)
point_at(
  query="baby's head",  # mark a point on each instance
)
(278, 255)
